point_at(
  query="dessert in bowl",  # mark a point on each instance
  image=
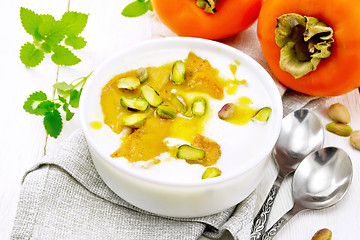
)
(181, 127)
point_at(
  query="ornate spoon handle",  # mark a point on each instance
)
(269, 234)
(261, 219)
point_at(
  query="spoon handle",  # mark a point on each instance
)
(261, 219)
(269, 234)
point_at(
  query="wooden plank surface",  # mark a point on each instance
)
(24, 141)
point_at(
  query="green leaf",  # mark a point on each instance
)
(45, 106)
(63, 87)
(52, 31)
(75, 22)
(45, 24)
(57, 105)
(149, 5)
(75, 98)
(30, 21)
(45, 47)
(33, 101)
(62, 99)
(53, 123)
(63, 56)
(136, 8)
(30, 56)
(69, 114)
(76, 42)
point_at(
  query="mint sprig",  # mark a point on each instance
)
(68, 97)
(137, 8)
(49, 35)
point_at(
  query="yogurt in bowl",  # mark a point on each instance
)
(170, 186)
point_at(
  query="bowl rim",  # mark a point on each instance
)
(266, 150)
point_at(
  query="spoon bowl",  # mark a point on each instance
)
(301, 134)
(321, 180)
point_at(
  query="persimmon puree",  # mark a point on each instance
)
(201, 77)
(147, 142)
(212, 149)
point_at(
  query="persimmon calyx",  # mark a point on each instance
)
(304, 42)
(207, 5)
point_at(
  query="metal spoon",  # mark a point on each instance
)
(320, 181)
(301, 134)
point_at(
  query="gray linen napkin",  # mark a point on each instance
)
(294, 100)
(63, 197)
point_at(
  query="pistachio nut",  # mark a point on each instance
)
(339, 129)
(339, 113)
(211, 172)
(263, 114)
(134, 120)
(165, 111)
(190, 153)
(199, 107)
(226, 111)
(322, 234)
(128, 83)
(355, 139)
(142, 75)
(179, 102)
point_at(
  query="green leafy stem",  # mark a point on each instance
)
(48, 35)
(68, 97)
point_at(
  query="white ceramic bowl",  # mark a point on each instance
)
(174, 188)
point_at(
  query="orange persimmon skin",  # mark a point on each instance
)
(336, 75)
(186, 19)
